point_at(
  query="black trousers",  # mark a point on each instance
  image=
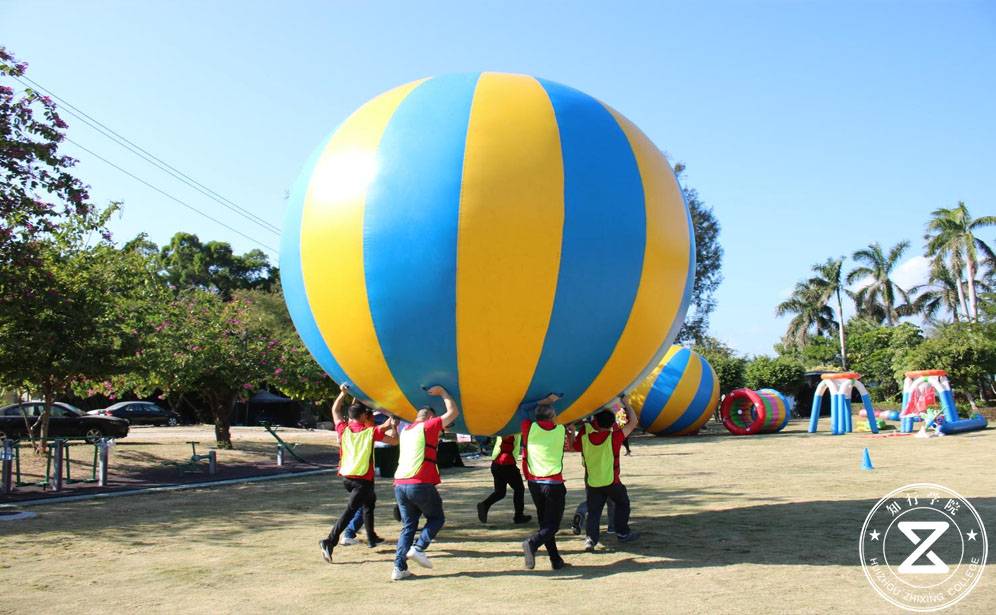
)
(361, 496)
(596, 498)
(549, 501)
(507, 476)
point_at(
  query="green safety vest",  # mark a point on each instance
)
(599, 462)
(356, 452)
(515, 448)
(545, 450)
(412, 454)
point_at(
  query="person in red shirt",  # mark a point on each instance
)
(356, 466)
(415, 483)
(504, 471)
(603, 427)
(544, 440)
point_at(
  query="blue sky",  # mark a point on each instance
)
(812, 129)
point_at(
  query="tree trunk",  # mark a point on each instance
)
(222, 409)
(973, 311)
(840, 332)
(961, 293)
(40, 427)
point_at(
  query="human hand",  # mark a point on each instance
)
(436, 391)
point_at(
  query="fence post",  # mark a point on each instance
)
(102, 462)
(58, 446)
(212, 462)
(7, 474)
(280, 454)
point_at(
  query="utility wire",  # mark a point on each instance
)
(171, 197)
(151, 158)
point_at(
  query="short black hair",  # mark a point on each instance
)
(604, 419)
(357, 411)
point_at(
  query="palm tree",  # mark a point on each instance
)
(829, 281)
(878, 298)
(940, 293)
(811, 313)
(951, 234)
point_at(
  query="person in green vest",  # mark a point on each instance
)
(543, 463)
(599, 445)
(415, 483)
(356, 466)
(505, 472)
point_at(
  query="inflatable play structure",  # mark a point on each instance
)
(840, 387)
(745, 412)
(678, 396)
(501, 235)
(921, 389)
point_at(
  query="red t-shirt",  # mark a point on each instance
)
(357, 427)
(526, 425)
(598, 437)
(506, 456)
(429, 472)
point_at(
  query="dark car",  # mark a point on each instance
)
(140, 413)
(65, 421)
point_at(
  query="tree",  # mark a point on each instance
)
(828, 281)
(72, 315)
(811, 314)
(878, 297)
(942, 293)
(728, 366)
(817, 353)
(966, 350)
(37, 187)
(223, 350)
(782, 374)
(189, 263)
(951, 234)
(708, 263)
(874, 349)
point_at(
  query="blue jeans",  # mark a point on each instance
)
(414, 501)
(354, 525)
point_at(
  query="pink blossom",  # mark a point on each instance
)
(247, 386)
(278, 371)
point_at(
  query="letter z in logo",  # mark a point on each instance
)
(937, 565)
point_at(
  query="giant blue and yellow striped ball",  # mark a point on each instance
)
(502, 235)
(678, 396)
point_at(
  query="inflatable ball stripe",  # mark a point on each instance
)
(501, 235)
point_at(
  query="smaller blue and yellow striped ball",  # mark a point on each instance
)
(679, 396)
(501, 235)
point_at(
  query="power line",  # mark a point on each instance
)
(151, 158)
(171, 197)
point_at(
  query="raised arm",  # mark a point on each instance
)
(391, 431)
(631, 421)
(452, 411)
(340, 400)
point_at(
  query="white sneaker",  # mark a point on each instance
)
(420, 557)
(400, 575)
(348, 541)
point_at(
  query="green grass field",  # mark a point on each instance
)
(729, 525)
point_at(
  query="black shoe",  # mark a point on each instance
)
(522, 519)
(376, 541)
(530, 557)
(559, 564)
(576, 524)
(627, 537)
(482, 512)
(326, 547)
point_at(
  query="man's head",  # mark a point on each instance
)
(545, 412)
(357, 411)
(424, 414)
(604, 419)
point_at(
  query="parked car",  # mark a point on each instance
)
(65, 421)
(140, 413)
